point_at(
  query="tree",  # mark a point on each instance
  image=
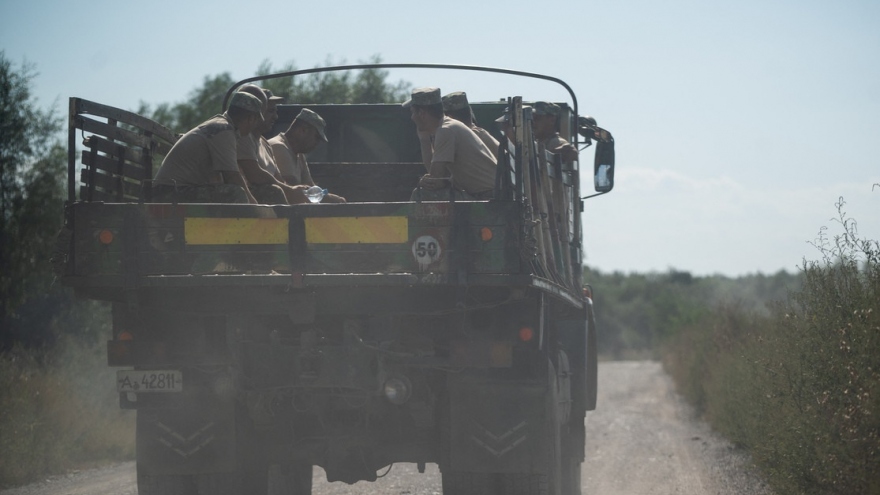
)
(32, 166)
(364, 86)
(203, 103)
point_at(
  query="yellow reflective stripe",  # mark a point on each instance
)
(354, 230)
(235, 230)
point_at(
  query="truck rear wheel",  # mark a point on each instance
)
(166, 484)
(571, 476)
(525, 484)
(220, 484)
(465, 483)
(296, 480)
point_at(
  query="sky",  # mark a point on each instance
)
(738, 125)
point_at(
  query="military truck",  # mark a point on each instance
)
(258, 341)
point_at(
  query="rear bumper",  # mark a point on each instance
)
(110, 288)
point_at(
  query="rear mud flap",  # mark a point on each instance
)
(498, 426)
(187, 441)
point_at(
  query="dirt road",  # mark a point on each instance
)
(643, 439)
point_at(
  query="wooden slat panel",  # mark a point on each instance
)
(118, 134)
(110, 183)
(112, 132)
(147, 125)
(111, 166)
(133, 155)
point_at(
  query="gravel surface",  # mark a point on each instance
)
(642, 439)
(118, 479)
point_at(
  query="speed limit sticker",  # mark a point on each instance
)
(426, 250)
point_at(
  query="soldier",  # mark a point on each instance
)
(545, 122)
(456, 106)
(458, 162)
(504, 124)
(290, 149)
(256, 160)
(201, 166)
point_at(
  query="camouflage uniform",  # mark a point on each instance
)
(471, 164)
(251, 148)
(458, 101)
(193, 169)
(268, 194)
(291, 165)
(554, 143)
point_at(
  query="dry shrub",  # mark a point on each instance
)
(59, 411)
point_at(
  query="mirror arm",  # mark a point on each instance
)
(594, 195)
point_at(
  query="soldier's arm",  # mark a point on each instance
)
(237, 179)
(427, 149)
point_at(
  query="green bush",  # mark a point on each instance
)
(635, 313)
(799, 387)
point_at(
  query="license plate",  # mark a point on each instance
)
(149, 381)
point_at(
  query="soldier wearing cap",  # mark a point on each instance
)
(291, 147)
(545, 122)
(456, 106)
(454, 156)
(505, 126)
(201, 166)
(256, 160)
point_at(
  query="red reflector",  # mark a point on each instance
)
(526, 334)
(106, 237)
(124, 335)
(486, 234)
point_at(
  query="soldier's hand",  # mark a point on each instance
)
(433, 183)
(333, 198)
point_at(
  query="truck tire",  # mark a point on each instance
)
(551, 483)
(167, 484)
(571, 476)
(525, 484)
(220, 484)
(465, 483)
(297, 480)
(592, 368)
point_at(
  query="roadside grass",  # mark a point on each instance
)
(59, 411)
(800, 387)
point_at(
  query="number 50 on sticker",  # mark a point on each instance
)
(426, 250)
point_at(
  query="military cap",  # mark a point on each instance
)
(424, 97)
(247, 101)
(272, 97)
(546, 108)
(314, 120)
(256, 91)
(455, 101)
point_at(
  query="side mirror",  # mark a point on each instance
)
(603, 168)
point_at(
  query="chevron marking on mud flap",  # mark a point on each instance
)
(183, 446)
(500, 444)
